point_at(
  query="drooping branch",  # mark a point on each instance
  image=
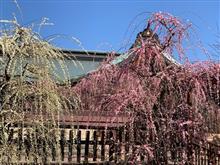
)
(166, 102)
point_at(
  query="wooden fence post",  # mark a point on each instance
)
(211, 154)
(127, 146)
(94, 146)
(20, 142)
(27, 144)
(70, 146)
(62, 144)
(119, 134)
(87, 146)
(111, 145)
(53, 144)
(103, 146)
(78, 147)
(44, 151)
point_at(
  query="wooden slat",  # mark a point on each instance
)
(119, 135)
(62, 144)
(197, 151)
(127, 145)
(95, 145)
(70, 146)
(87, 146)
(28, 145)
(103, 146)
(111, 145)
(44, 151)
(34, 141)
(53, 146)
(1, 136)
(20, 143)
(78, 147)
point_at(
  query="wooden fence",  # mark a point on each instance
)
(97, 145)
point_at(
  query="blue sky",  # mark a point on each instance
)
(111, 25)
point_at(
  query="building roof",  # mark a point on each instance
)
(87, 55)
(89, 61)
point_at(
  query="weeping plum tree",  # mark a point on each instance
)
(167, 102)
(29, 94)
